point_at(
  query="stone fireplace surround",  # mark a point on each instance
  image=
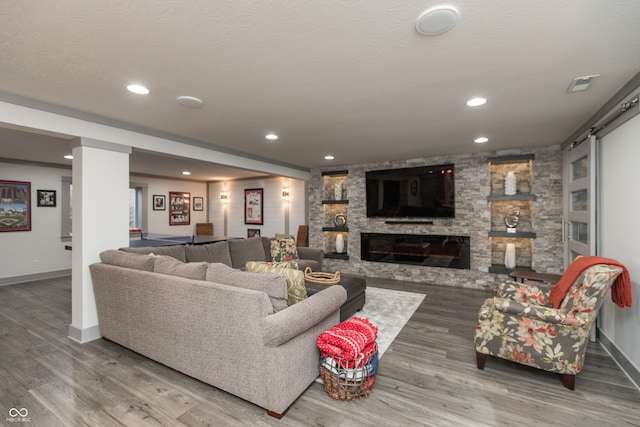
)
(473, 219)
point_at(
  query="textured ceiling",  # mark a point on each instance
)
(353, 79)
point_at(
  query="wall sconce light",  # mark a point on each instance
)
(224, 197)
(285, 193)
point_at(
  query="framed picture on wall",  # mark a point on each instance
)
(253, 232)
(179, 208)
(46, 198)
(159, 202)
(253, 206)
(15, 206)
(198, 204)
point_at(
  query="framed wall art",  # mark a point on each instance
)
(198, 204)
(46, 198)
(159, 202)
(253, 232)
(253, 206)
(179, 209)
(15, 206)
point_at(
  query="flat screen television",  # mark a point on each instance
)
(419, 192)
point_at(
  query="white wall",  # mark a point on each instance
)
(619, 233)
(275, 209)
(158, 221)
(40, 250)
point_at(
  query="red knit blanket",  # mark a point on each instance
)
(620, 289)
(350, 340)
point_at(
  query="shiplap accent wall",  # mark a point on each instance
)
(275, 211)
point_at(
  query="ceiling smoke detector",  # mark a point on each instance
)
(581, 83)
(437, 20)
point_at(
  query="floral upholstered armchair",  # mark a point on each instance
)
(521, 325)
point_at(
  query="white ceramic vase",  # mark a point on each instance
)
(337, 192)
(339, 243)
(510, 256)
(510, 184)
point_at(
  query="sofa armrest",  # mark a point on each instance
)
(537, 312)
(524, 292)
(284, 325)
(312, 254)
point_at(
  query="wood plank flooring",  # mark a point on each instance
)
(427, 377)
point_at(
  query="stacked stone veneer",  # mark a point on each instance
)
(473, 218)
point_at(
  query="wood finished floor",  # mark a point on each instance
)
(427, 377)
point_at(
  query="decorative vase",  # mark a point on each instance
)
(510, 256)
(510, 183)
(337, 191)
(339, 243)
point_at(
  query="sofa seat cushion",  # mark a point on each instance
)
(171, 266)
(296, 291)
(283, 248)
(245, 250)
(128, 260)
(274, 285)
(211, 252)
(175, 251)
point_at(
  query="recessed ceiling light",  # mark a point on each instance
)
(581, 83)
(190, 101)
(480, 140)
(437, 20)
(271, 136)
(186, 173)
(68, 157)
(329, 157)
(139, 89)
(475, 102)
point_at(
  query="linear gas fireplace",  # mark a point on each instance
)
(418, 249)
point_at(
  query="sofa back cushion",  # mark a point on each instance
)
(128, 260)
(296, 289)
(211, 252)
(175, 251)
(169, 265)
(274, 285)
(245, 250)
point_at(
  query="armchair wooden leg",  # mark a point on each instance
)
(569, 381)
(481, 359)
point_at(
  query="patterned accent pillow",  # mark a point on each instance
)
(283, 248)
(296, 290)
(283, 264)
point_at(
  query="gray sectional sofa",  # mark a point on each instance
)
(229, 328)
(234, 253)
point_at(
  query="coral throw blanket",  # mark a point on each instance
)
(620, 290)
(350, 340)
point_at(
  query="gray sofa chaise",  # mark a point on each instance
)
(229, 328)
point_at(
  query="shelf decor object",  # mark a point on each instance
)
(337, 191)
(512, 219)
(510, 256)
(340, 220)
(339, 243)
(510, 184)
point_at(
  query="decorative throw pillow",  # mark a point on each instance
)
(283, 248)
(283, 264)
(296, 290)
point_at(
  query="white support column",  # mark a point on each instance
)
(100, 221)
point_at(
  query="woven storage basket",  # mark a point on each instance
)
(321, 278)
(349, 379)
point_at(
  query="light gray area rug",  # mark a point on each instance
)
(389, 310)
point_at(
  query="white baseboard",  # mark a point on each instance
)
(33, 277)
